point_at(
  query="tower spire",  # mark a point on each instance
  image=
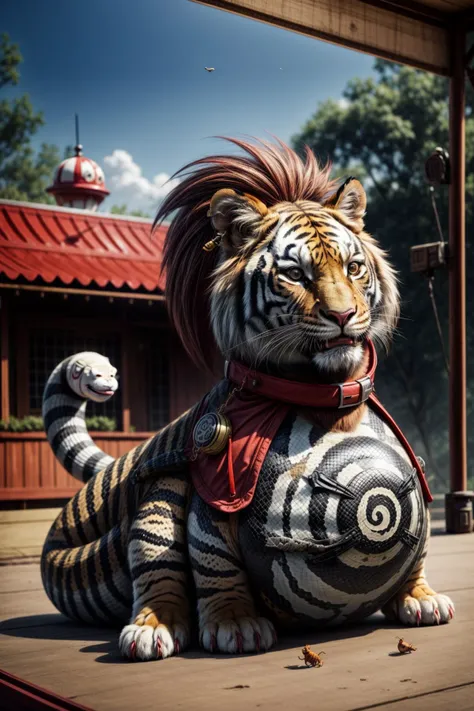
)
(78, 147)
(79, 181)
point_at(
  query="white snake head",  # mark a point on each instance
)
(92, 376)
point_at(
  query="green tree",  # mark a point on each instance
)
(24, 175)
(384, 130)
(123, 210)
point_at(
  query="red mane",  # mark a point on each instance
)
(272, 173)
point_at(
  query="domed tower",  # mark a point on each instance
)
(79, 182)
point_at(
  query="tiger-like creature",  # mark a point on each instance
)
(268, 265)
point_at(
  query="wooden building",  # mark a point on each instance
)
(71, 280)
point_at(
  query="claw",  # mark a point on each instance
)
(451, 612)
(274, 637)
(258, 641)
(418, 617)
(159, 651)
(213, 643)
(437, 615)
(177, 647)
(133, 651)
(240, 642)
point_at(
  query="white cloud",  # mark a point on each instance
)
(124, 179)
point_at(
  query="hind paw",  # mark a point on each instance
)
(147, 642)
(234, 636)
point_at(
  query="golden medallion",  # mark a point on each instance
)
(211, 433)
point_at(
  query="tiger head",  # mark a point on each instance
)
(294, 285)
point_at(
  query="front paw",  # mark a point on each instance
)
(147, 642)
(234, 636)
(420, 608)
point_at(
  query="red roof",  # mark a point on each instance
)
(48, 243)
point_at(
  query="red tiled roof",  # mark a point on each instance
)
(48, 243)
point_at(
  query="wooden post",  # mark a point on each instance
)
(457, 286)
(22, 341)
(125, 380)
(4, 365)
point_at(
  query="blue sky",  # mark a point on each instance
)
(134, 71)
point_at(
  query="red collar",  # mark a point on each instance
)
(336, 395)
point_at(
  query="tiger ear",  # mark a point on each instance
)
(235, 216)
(351, 201)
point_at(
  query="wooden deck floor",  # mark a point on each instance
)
(361, 669)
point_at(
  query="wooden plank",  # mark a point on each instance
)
(4, 361)
(109, 446)
(57, 472)
(57, 492)
(360, 671)
(14, 470)
(3, 464)
(20, 540)
(19, 578)
(8, 464)
(19, 694)
(32, 464)
(29, 469)
(459, 698)
(125, 447)
(357, 24)
(86, 292)
(46, 465)
(29, 515)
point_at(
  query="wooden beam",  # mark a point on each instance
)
(416, 10)
(4, 364)
(394, 33)
(133, 296)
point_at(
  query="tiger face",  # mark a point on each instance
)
(300, 284)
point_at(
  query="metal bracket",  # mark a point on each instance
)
(366, 389)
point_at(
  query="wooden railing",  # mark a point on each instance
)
(29, 469)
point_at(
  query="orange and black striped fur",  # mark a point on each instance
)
(294, 287)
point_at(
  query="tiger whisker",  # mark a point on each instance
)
(279, 340)
(262, 334)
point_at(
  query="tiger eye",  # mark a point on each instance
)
(294, 274)
(354, 268)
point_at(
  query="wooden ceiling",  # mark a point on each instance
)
(447, 6)
(413, 33)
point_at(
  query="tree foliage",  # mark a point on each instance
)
(383, 131)
(24, 175)
(123, 210)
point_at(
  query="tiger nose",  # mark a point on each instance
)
(339, 317)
